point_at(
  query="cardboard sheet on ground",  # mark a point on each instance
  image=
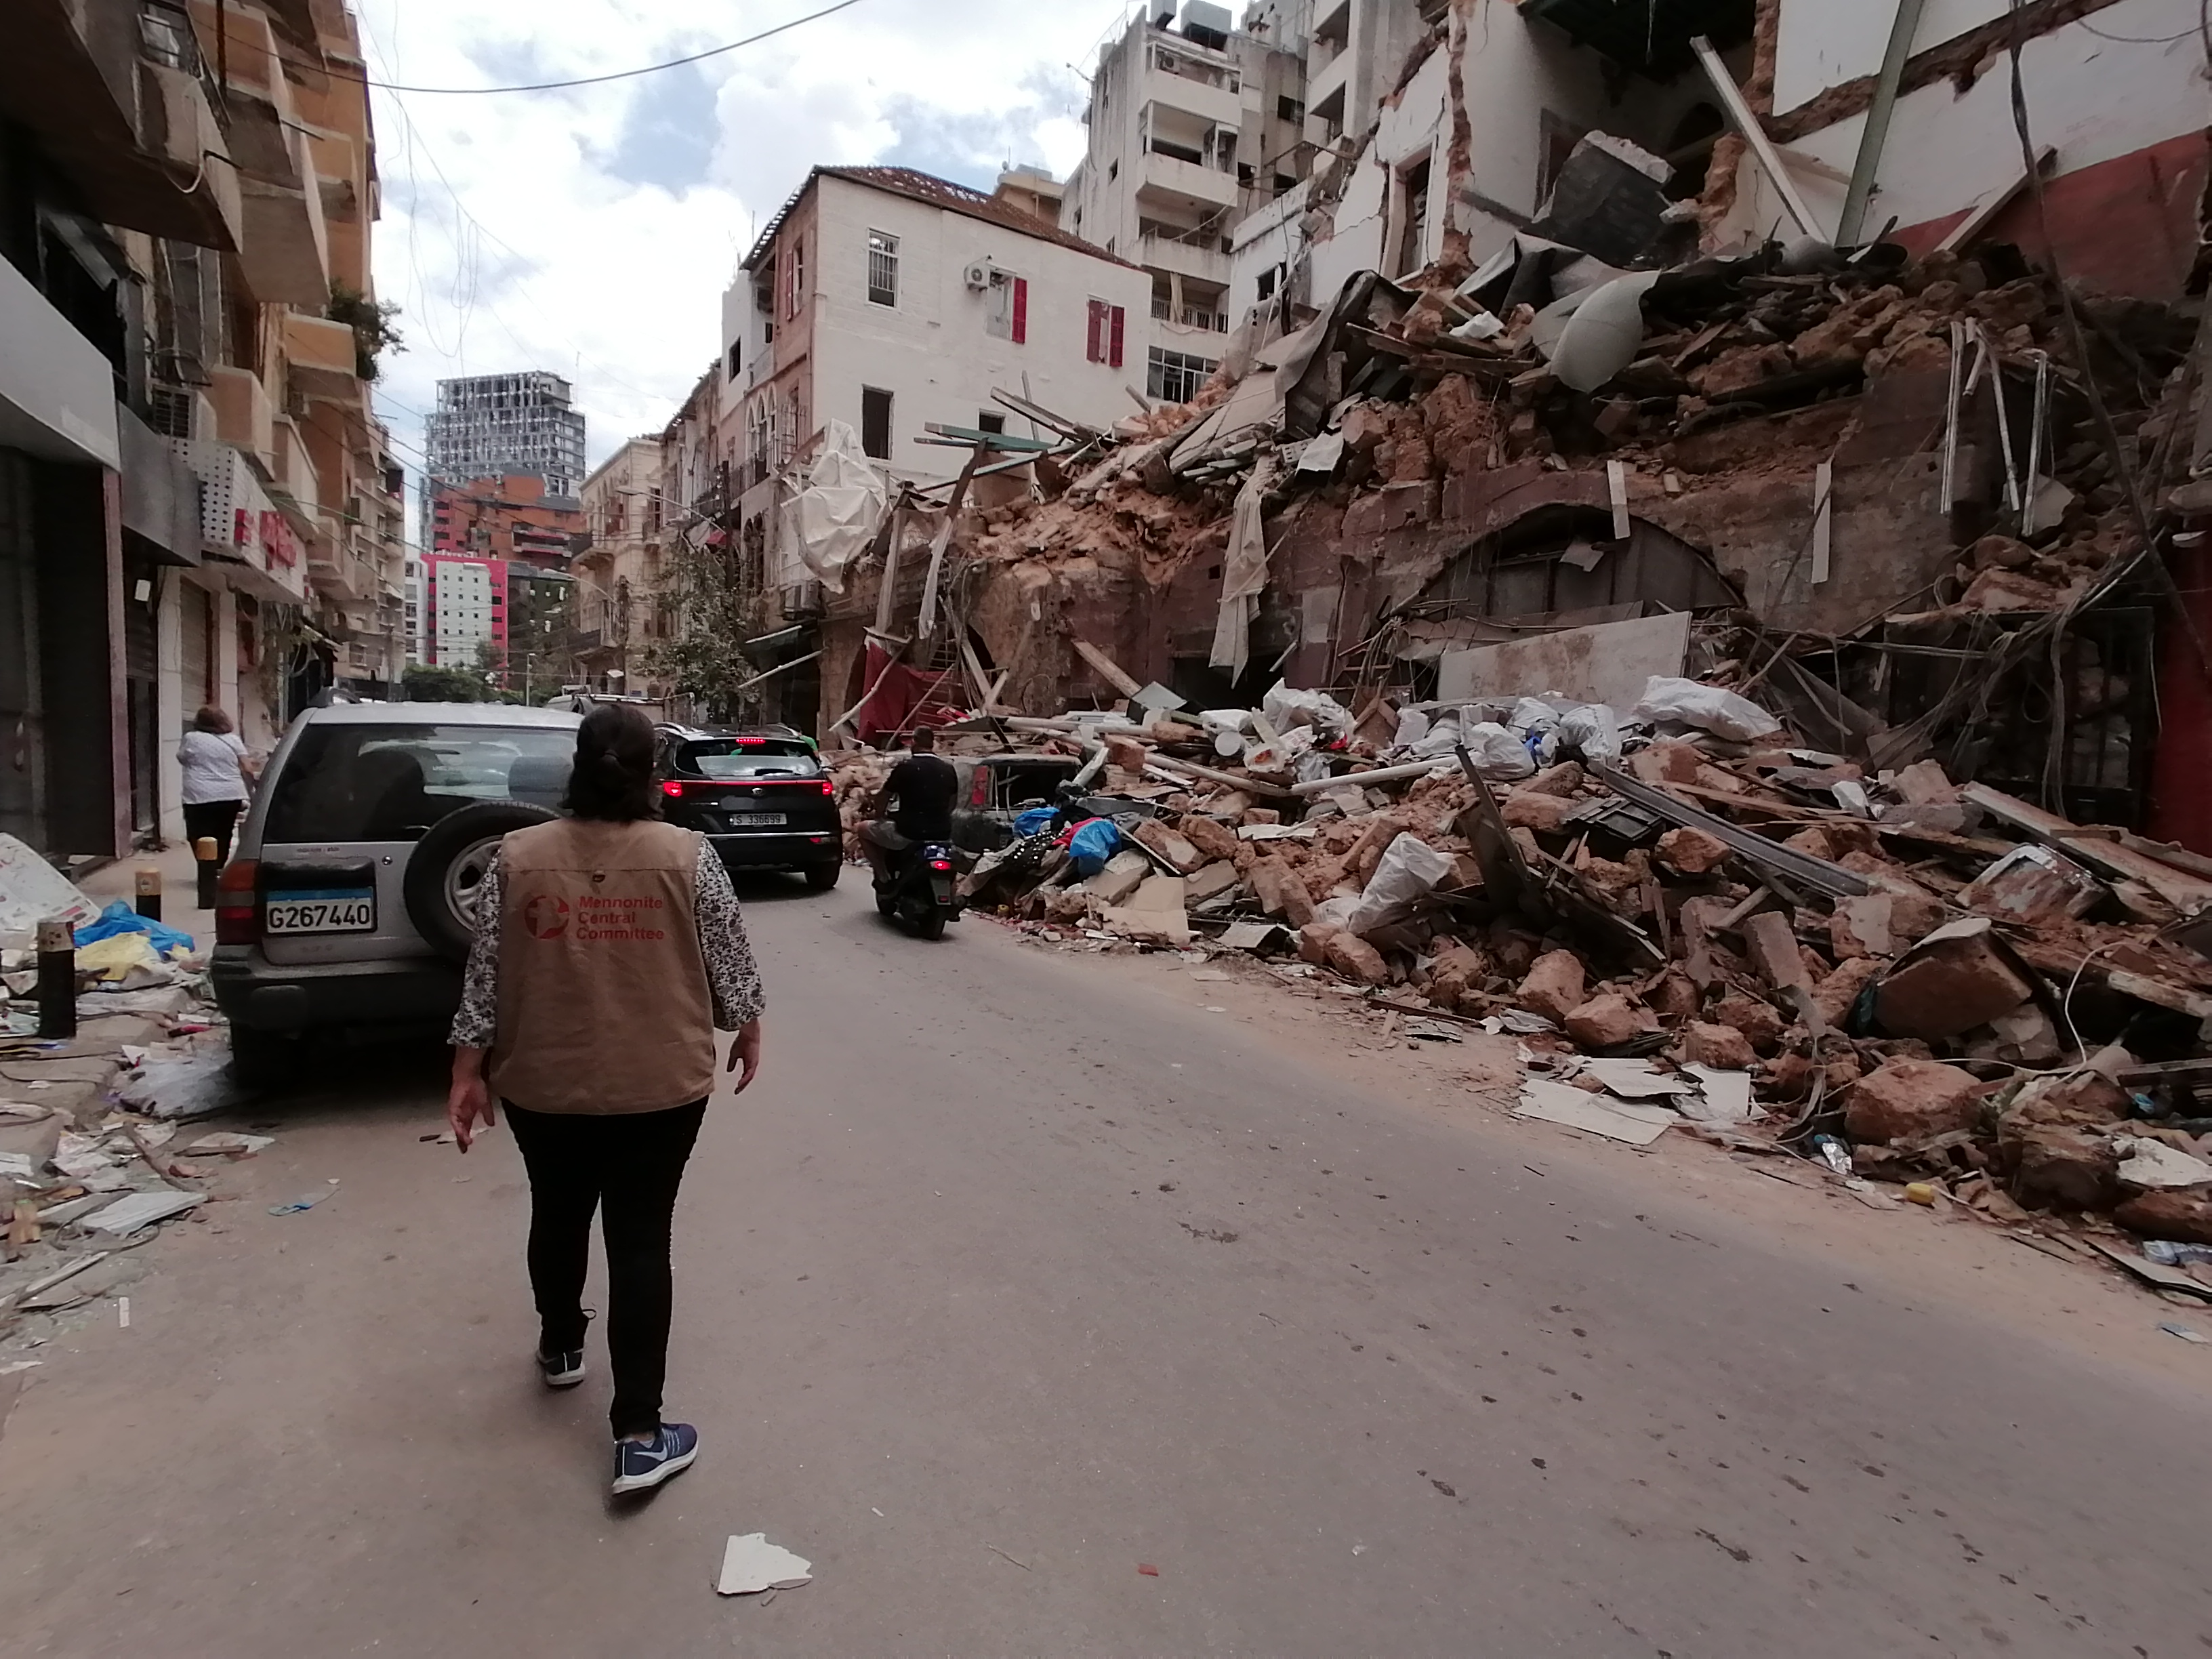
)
(751, 1564)
(1596, 1115)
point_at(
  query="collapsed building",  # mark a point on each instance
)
(1765, 653)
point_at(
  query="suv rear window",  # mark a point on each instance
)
(727, 757)
(357, 783)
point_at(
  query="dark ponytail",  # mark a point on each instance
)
(613, 777)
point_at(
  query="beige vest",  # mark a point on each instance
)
(604, 1003)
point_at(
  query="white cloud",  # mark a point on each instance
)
(591, 232)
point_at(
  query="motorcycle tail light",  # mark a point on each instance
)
(940, 864)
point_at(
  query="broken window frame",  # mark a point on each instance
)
(1006, 307)
(1174, 377)
(876, 406)
(883, 269)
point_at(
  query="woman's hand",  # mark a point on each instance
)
(746, 1049)
(469, 1102)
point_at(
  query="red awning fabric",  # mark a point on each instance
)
(907, 697)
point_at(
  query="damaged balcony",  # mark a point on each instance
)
(324, 360)
(286, 250)
(1652, 40)
(117, 96)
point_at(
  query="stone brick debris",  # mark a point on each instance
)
(1861, 974)
(98, 1152)
(1801, 850)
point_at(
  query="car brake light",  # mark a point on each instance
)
(829, 787)
(237, 917)
(752, 742)
(979, 795)
(673, 789)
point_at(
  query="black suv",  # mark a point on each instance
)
(762, 798)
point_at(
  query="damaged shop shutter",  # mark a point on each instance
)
(1021, 310)
(1120, 328)
(1094, 342)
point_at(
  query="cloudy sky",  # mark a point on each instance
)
(591, 232)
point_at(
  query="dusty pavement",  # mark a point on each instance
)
(1019, 1270)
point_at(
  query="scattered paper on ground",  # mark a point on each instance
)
(1597, 1114)
(751, 1564)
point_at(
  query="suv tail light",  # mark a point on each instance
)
(673, 789)
(829, 786)
(237, 916)
(979, 794)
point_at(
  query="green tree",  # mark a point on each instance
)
(703, 590)
(371, 322)
(424, 682)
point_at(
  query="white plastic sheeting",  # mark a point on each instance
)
(831, 522)
(1410, 870)
(1708, 708)
(1244, 575)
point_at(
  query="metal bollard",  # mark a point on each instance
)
(57, 979)
(203, 853)
(148, 882)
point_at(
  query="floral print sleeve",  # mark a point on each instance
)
(729, 970)
(478, 1021)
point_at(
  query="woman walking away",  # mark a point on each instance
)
(216, 778)
(608, 950)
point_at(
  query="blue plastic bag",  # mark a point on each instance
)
(1036, 819)
(1092, 844)
(120, 918)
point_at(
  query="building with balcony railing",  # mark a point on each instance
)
(186, 320)
(1194, 123)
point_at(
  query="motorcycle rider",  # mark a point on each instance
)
(923, 786)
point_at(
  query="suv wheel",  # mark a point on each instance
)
(823, 877)
(448, 864)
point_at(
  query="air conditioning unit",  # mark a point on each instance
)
(979, 277)
(801, 600)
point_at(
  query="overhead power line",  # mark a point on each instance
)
(626, 75)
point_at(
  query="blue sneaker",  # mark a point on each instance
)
(640, 1466)
(562, 1371)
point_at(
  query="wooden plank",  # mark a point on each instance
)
(1112, 672)
(982, 439)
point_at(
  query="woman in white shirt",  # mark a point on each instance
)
(216, 778)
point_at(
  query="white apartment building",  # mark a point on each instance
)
(466, 619)
(413, 601)
(889, 300)
(1194, 125)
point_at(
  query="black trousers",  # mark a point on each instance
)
(213, 817)
(628, 1167)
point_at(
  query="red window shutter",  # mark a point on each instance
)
(1021, 310)
(1094, 341)
(1121, 322)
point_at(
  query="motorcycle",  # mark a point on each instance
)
(916, 886)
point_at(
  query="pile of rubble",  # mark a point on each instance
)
(1686, 918)
(94, 1156)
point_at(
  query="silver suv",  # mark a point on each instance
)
(350, 899)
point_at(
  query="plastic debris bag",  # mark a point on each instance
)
(1092, 844)
(1413, 727)
(1708, 708)
(1593, 730)
(1410, 870)
(1497, 754)
(1285, 708)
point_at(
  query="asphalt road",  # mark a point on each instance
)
(1015, 1276)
